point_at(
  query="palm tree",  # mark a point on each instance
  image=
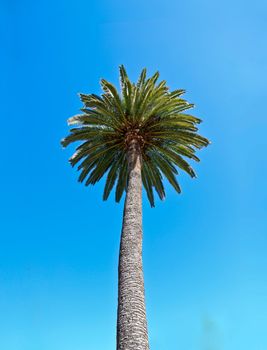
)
(136, 138)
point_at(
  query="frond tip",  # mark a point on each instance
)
(149, 113)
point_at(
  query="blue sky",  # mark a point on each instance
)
(205, 250)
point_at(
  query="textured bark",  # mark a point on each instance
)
(132, 324)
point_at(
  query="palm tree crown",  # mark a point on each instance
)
(146, 112)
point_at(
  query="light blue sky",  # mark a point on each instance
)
(205, 250)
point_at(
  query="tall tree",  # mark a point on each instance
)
(136, 137)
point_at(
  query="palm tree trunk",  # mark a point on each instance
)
(131, 322)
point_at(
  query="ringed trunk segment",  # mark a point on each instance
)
(131, 323)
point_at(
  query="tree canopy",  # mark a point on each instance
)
(146, 111)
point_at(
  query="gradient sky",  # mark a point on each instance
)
(205, 250)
